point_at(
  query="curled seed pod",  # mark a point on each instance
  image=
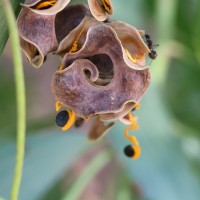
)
(99, 9)
(46, 7)
(37, 35)
(41, 34)
(79, 91)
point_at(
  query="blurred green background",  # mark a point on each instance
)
(65, 166)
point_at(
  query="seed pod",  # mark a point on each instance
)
(81, 92)
(37, 35)
(46, 7)
(99, 9)
(99, 129)
(41, 34)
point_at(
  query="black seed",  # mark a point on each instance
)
(129, 151)
(62, 118)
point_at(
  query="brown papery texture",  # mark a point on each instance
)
(79, 92)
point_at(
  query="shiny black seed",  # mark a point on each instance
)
(129, 151)
(62, 118)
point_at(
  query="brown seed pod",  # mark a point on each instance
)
(46, 7)
(99, 129)
(99, 9)
(76, 85)
(37, 35)
(41, 34)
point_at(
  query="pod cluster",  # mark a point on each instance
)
(103, 72)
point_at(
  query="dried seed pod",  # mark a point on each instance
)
(99, 129)
(41, 34)
(80, 92)
(134, 48)
(77, 35)
(126, 120)
(69, 20)
(46, 7)
(128, 106)
(37, 35)
(132, 43)
(100, 8)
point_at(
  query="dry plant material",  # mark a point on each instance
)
(100, 9)
(103, 72)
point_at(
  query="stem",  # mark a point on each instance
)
(20, 98)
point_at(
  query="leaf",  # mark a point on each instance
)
(3, 24)
(90, 171)
(183, 91)
(48, 155)
(87, 176)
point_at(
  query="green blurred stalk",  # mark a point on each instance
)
(20, 95)
(165, 17)
(124, 193)
(92, 169)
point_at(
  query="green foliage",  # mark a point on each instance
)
(3, 25)
(184, 98)
(183, 83)
(8, 107)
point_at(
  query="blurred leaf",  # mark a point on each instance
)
(187, 32)
(186, 13)
(3, 24)
(127, 189)
(48, 155)
(182, 91)
(183, 84)
(7, 107)
(90, 171)
(54, 192)
(85, 180)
